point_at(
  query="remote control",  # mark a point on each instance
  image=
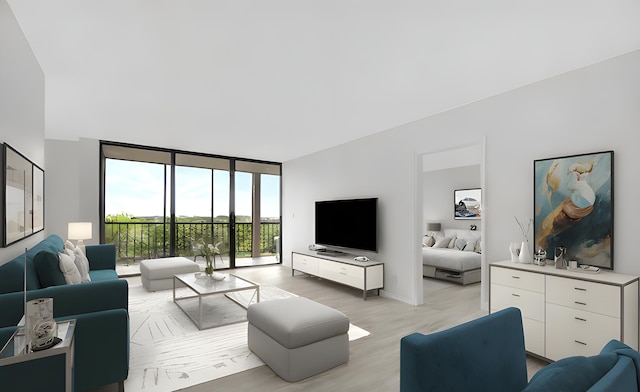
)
(361, 258)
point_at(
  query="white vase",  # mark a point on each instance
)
(514, 249)
(525, 255)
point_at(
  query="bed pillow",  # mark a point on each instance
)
(452, 243)
(442, 242)
(428, 241)
(460, 243)
(470, 246)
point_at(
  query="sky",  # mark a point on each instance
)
(136, 188)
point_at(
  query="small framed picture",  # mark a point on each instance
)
(467, 203)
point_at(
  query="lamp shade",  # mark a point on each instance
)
(79, 230)
(433, 226)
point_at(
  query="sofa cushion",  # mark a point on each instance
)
(102, 275)
(48, 269)
(561, 375)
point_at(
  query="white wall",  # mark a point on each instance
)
(587, 110)
(73, 185)
(438, 187)
(21, 107)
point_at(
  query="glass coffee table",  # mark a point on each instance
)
(208, 302)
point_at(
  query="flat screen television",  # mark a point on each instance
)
(350, 223)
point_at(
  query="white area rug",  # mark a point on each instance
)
(168, 352)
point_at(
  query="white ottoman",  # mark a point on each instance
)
(297, 337)
(157, 274)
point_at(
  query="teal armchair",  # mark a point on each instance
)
(486, 354)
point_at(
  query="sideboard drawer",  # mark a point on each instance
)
(533, 336)
(577, 332)
(520, 279)
(342, 273)
(305, 264)
(531, 304)
(589, 296)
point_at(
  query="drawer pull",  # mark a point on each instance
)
(580, 289)
(579, 342)
(515, 277)
(516, 295)
(580, 319)
(580, 303)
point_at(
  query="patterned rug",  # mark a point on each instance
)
(168, 352)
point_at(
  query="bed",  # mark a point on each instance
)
(452, 255)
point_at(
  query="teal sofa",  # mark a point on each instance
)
(101, 355)
(488, 354)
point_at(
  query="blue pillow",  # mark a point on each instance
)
(48, 269)
(572, 374)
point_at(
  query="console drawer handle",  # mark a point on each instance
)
(580, 289)
(516, 295)
(579, 342)
(515, 277)
(580, 319)
(580, 303)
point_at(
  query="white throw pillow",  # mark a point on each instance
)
(442, 242)
(69, 269)
(452, 243)
(82, 263)
(470, 246)
(69, 245)
(460, 243)
(428, 241)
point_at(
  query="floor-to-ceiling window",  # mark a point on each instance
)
(160, 203)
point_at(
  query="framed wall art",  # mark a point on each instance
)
(22, 196)
(573, 207)
(467, 203)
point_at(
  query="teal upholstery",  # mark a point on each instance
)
(616, 368)
(48, 271)
(486, 354)
(561, 375)
(100, 306)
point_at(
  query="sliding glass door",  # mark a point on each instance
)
(202, 191)
(161, 203)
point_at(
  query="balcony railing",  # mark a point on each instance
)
(149, 240)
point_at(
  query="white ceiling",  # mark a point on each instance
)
(275, 80)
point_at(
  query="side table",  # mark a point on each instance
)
(13, 351)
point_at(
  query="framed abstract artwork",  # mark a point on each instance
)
(573, 207)
(467, 203)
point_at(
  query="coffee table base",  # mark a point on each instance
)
(210, 309)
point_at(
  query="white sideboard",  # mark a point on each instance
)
(363, 275)
(567, 313)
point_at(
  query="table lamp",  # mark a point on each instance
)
(79, 231)
(433, 227)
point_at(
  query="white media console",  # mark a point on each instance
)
(363, 275)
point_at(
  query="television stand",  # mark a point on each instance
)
(363, 275)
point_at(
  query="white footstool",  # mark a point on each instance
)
(157, 274)
(297, 337)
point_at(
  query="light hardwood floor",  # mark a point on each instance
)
(374, 362)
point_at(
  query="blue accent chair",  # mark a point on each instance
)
(488, 354)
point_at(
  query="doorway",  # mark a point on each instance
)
(440, 174)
